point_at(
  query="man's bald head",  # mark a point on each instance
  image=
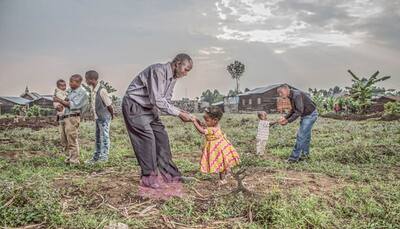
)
(283, 91)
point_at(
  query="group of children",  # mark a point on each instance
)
(70, 106)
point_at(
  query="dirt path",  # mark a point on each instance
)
(34, 123)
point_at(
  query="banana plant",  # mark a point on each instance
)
(362, 88)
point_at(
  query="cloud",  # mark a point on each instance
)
(279, 51)
(212, 50)
(221, 15)
(362, 8)
(298, 23)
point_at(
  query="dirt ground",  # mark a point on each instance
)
(34, 123)
(14, 156)
(359, 117)
(117, 190)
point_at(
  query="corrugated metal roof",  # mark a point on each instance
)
(16, 100)
(260, 90)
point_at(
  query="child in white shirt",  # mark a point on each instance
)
(61, 93)
(262, 132)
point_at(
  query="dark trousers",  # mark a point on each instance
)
(149, 139)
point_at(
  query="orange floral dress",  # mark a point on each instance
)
(218, 153)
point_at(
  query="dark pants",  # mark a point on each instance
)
(149, 140)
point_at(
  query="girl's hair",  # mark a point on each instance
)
(214, 112)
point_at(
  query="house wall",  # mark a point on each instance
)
(5, 106)
(231, 104)
(43, 103)
(266, 101)
(283, 105)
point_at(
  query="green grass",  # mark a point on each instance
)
(36, 187)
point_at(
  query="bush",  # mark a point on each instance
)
(16, 109)
(392, 108)
(34, 111)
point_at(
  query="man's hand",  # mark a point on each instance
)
(185, 117)
(283, 121)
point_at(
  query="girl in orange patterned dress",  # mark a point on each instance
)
(219, 156)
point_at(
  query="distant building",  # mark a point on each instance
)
(45, 102)
(264, 99)
(219, 104)
(26, 99)
(231, 104)
(8, 102)
(30, 95)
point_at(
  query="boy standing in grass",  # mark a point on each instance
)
(262, 132)
(103, 113)
(74, 107)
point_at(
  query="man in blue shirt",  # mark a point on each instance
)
(75, 105)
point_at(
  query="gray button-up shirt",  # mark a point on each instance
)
(154, 87)
(78, 101)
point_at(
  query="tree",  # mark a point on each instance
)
(236, 69)
(233, 93)
(34, 111)
(362, 88)
(336, 90)
(110, 89)
(16, 109)
(211, 97)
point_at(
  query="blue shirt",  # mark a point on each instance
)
(78, 100)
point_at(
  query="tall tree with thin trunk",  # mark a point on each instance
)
(236, 69)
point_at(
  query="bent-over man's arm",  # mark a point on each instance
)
(297, 110)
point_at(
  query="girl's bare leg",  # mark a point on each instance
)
(222, 177)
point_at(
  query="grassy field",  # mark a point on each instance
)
(352, 180)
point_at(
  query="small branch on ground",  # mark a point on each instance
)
(239, 176)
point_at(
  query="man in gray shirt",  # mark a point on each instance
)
(149, 93)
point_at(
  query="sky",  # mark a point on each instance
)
(305, 43)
